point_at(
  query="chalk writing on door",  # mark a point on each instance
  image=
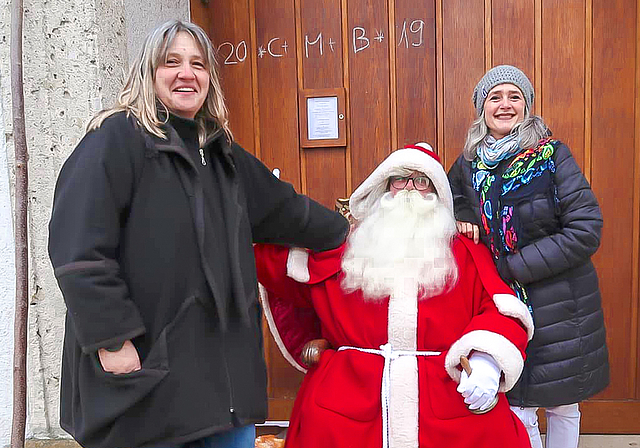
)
(409, 33)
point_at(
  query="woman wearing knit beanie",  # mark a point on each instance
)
(522, 194)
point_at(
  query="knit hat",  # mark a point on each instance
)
(418, 157)
(502, 74)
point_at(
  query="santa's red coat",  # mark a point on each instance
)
(339, 402)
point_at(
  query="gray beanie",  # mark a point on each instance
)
(502, 74)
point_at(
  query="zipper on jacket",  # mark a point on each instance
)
(524, 386)
(232, 409)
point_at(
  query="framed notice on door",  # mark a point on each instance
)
(322, 118)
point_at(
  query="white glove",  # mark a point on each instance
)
(480, 388)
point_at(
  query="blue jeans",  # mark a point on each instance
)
(243, 437)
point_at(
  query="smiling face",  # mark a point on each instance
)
(503, 109)
(182, 80)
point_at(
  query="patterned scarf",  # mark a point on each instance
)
(492, 151)
(498, 220)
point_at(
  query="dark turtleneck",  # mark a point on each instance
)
(187, 130)
(216, 243)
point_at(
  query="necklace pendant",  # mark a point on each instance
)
(202, 159)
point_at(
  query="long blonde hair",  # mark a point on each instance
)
(138, 95)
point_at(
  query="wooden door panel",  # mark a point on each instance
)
(326, 175)
(612, 175)
(321, 23)
(230, 34)
(368, 86)
(513, 35)
(562, 99)
(610, 417)
(283, 380)
(277, 88)
(415, 66)
(463, 66)
(324, 169)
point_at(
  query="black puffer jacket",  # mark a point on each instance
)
(558, 224)
(149, 246)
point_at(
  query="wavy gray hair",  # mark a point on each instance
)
(138, 95)
(529, 132)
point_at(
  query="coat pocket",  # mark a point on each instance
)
(350, 384)
(115, 410)
(446, 402)
(105, 396)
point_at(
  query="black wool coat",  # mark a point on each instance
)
(567, 359)
(127, 242)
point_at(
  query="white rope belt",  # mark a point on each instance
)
(389, 354)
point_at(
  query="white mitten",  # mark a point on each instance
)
(480, 388)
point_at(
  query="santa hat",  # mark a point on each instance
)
(418, 157)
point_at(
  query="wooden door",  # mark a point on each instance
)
(408, 68)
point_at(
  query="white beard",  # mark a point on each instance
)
(404, 242)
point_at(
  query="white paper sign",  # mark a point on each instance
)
(322, 118)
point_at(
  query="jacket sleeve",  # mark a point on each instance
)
(279, 215)
(461, 205)
(500, 323)
(580, 228)
(91, 198)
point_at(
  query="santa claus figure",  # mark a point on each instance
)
(399, 304)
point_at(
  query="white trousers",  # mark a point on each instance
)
(563, 425)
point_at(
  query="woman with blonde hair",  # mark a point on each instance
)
(151, 234)
(522, 194)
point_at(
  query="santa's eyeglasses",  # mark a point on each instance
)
(420, 183)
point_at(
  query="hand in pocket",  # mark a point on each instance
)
(125, 360)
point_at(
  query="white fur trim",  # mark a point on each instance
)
(410, 158)
(264, 299)
(402, 333)
(503, 351)
(402, 316)
(510, 305)
(298, 265)
(403, 402)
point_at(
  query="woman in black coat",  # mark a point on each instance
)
(523, 195)
(151, 234)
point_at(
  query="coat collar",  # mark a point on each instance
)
(217, 142)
